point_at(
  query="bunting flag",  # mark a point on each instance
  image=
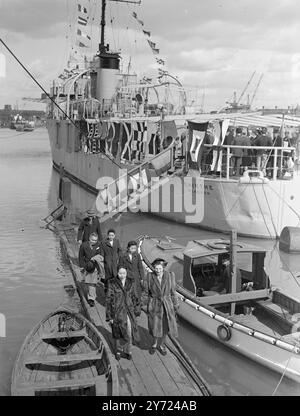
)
(152, 44)
(147, 79)
(81, 44)
(138, 142)
(197, 132)
(162, 72)
(83, 40)
(103, 132)
(84, 35)
(125, 144)
(219, 132)
(116, 138)
(137, 19)
(160, 61)
(147, 33)
(82, 9)
(153, 139)
(111, 129)
(82, 21)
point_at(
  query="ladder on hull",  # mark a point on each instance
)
(55, 215)
(125, 192)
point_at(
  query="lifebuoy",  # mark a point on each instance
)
(222, 244)
(219, 244)
(224, 332)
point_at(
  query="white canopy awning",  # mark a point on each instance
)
(250, 119)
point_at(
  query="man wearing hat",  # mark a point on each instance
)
(90, 224)
(263, 140)
(240, 154)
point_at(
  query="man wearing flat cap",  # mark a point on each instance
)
(90, 224)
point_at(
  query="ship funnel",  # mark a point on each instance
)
(106, 79)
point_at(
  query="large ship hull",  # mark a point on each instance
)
(258, 209)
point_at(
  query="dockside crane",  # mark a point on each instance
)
(256, 88)
(245, 89)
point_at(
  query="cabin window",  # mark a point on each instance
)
(244, 261)
(207, 272)
(204, 270)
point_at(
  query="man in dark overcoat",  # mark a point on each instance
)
(111, 251)
(88, 250)
(90, 224)
(132, 261)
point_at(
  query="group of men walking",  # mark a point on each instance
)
(126, 287)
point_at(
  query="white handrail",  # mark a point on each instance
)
(76, 77)
(251, 147)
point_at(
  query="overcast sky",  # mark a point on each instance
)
(215, 44)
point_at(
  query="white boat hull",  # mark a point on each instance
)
(271, 356)
(254, 210)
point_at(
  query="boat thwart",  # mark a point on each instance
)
(64, 355)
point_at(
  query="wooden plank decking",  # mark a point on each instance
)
(145, 374)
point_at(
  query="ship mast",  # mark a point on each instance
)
(102, 47)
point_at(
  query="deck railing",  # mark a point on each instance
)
(121, 108)
(275, 158)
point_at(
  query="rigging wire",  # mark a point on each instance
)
(112, 28)
(118, 31)
(93, 13)
(55, 103)
(135, 52)
(68, 29)
(284, 201)
(264, 191)
(90, 26)
(236, 201)
(283, 373)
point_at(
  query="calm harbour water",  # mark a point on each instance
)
(33, 272)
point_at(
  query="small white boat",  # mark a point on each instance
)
(250, 316)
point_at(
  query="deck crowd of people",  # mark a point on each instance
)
(260, 159)
(127, 288)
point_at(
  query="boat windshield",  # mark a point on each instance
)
(212, 273)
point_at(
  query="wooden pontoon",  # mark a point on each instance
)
(144, 375)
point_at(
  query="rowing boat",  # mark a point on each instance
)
(64, 355)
